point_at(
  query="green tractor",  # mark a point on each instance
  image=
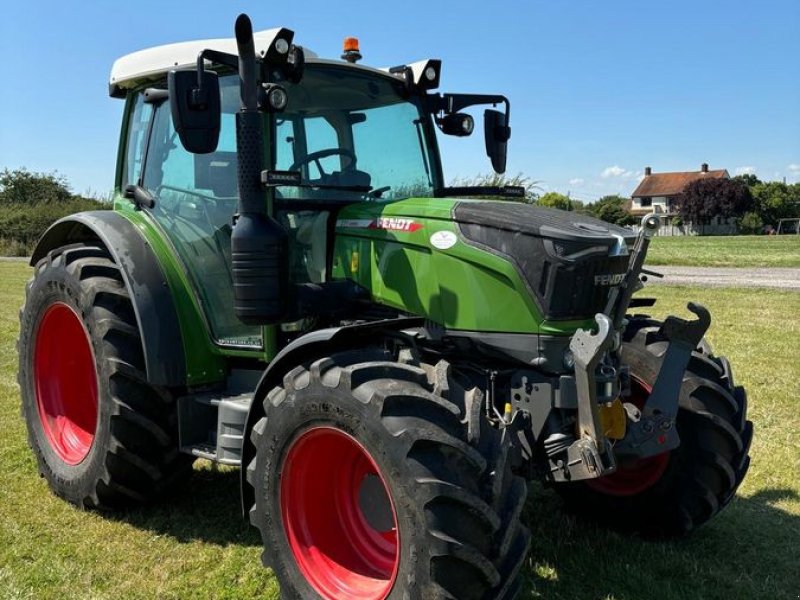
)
(287, 284)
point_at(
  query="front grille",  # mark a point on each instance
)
(578, 290)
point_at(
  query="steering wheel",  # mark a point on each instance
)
(315, 157)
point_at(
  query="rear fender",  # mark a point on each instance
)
(153, 305)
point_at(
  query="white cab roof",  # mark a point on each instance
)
(137, 66)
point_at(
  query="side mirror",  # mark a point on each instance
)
(195, 104)
(497, 132)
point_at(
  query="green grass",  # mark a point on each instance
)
(196, 546)
(726, 251)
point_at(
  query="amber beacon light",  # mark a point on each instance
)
(351, 52)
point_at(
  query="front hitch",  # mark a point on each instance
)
(652, 430)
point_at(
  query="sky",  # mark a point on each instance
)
(599, 89)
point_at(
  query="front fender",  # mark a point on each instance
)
(315, 344)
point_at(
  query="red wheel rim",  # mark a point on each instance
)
(65, 383)
(343, 550)
(641, 474)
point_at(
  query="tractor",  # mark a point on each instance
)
(286, 284)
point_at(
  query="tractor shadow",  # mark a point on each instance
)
(207, 508)
(750, 550)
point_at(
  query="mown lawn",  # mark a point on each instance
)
(726, 251)
(196, 545)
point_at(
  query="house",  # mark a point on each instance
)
(658, 192)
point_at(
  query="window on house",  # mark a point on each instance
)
(646, 202)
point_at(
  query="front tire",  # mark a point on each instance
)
(671, 494)
(371, 482)
(102, 435)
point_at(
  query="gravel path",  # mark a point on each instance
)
(771, 277)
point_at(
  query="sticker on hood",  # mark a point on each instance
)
(443, 240)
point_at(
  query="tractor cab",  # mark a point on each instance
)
(332, 133)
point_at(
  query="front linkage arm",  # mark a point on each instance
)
(653, 429)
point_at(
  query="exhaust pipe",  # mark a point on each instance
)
(259, 244)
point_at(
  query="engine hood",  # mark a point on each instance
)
(482, 265)
(529, 219)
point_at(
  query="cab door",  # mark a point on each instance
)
(195, 200)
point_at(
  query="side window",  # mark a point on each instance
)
(138, 123)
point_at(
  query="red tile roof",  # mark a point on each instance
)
(671, 184)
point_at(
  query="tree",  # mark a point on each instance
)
(612, 210)
(703, 199)
(577, 205)
(555, 200)
(24, 187)
(776, 200)
(30, 203)
(749, 179)
(751, 223)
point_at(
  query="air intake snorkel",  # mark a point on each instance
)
(259, 244)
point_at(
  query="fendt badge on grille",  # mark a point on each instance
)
(609, 279)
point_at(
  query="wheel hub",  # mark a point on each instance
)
(65, 383)
(339, 517)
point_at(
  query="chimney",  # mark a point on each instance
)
(704, 168)
(648, 171)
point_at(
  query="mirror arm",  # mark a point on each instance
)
(453, 103)
(214, 56)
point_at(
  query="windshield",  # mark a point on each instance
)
(352, 130)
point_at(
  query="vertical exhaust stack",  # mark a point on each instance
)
(259, 244)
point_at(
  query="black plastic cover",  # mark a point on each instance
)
(569, 261)
(259, 248)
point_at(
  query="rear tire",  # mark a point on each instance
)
(102, 435)
(451, 505)
(697, 479)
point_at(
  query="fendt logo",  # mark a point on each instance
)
(609, 279)
(393, 224)
(385, 223)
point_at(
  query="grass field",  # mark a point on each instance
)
(196, 545)
(726, 251)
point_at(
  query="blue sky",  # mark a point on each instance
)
(599, 89)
